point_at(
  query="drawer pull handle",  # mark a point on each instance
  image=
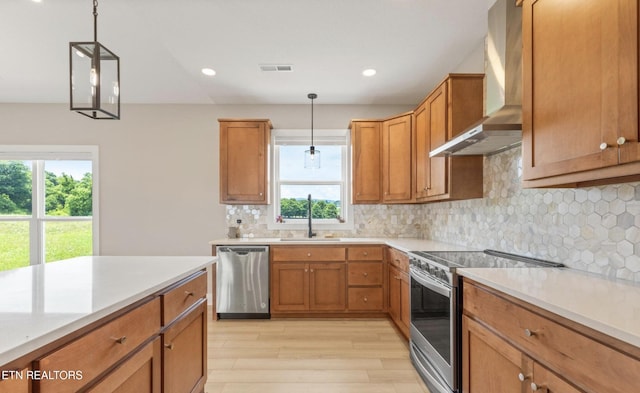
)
(538, 388)
(121, 340)
(523, 377)
(530, 333)
(188, 293)
(169, 346)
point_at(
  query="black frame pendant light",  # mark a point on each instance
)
(312, 156)
(94, 77)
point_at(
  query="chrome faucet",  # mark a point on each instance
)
(310, 234)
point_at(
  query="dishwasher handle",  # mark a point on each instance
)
(242, 250)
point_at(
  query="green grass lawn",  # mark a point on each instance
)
(63, 240)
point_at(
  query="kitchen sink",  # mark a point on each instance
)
(313, 239)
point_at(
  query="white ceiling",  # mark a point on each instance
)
(163, 45)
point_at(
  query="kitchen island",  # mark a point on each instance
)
(91, 320)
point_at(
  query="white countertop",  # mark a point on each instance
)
(42, 303)
(607, 305)
(402, 244)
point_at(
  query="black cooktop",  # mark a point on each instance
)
(478, 259)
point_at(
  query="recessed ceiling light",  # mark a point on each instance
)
(208, 71)
(369, 72)
(37, 1)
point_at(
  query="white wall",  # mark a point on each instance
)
(159, 164)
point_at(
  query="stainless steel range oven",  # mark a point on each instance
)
(435, 303)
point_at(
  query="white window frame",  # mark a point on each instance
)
(38, 154)
(302, 137)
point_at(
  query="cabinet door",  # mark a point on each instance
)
(422, 149)
(185, 352)
(548, 382)
(394, 294)
(489, 364)
(139, 374)
(244, 149)
(14, 380)
(327, 286)
(289, 287)
(405, 294)
(396, 159)
(366, 140)
(436, 129)
(580, 92)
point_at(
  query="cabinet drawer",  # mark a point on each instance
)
(308, 253)
(361, 299)
(177, 300)
(365, 253)
(398, 259)
(14, 381)
(593, 365)
(365, 273)
(95, 352)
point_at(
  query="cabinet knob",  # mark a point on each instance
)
(121, 340)
(537, 388)
(311, 270)
(522, 377)
(260, 194)
(603, 146)
(189, 293)
(365, 274)
(621, 141)
(365, 299)
(169, 346)
(308, 254)
(365, 253)
(530, 333)
(306, 270)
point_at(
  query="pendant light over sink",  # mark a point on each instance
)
(312, 156)
(94, 77)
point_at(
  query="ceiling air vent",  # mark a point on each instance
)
(276, 67)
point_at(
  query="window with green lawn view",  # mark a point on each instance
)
(293, 182)
(47, 202)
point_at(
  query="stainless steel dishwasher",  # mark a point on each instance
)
(242, 282)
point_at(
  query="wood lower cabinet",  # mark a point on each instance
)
(14, 380)
(366, 278)
(155, 346)
(399, 285)
(308, 279)
(299, 286)
(184, 352)
(244, 161)
(512, 346)
(366, 153)
(184, 335)
(397, 159)
(448, 110)
(580, 102)
(139, 373)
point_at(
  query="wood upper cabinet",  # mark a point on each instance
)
(446, 112)
(397, 159)
(244, 165)
(553, 354)
(366, 145)
(580, 101)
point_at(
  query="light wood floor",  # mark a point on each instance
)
(309, 356)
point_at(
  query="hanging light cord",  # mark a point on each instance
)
(312, 121)
(95, 20)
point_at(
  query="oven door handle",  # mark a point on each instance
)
(431, 284)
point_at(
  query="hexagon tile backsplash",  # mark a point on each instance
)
(595, 229)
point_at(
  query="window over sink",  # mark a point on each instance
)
(328, 185)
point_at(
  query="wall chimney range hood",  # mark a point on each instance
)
(501, 128)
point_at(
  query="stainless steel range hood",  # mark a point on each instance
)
(501, 129)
